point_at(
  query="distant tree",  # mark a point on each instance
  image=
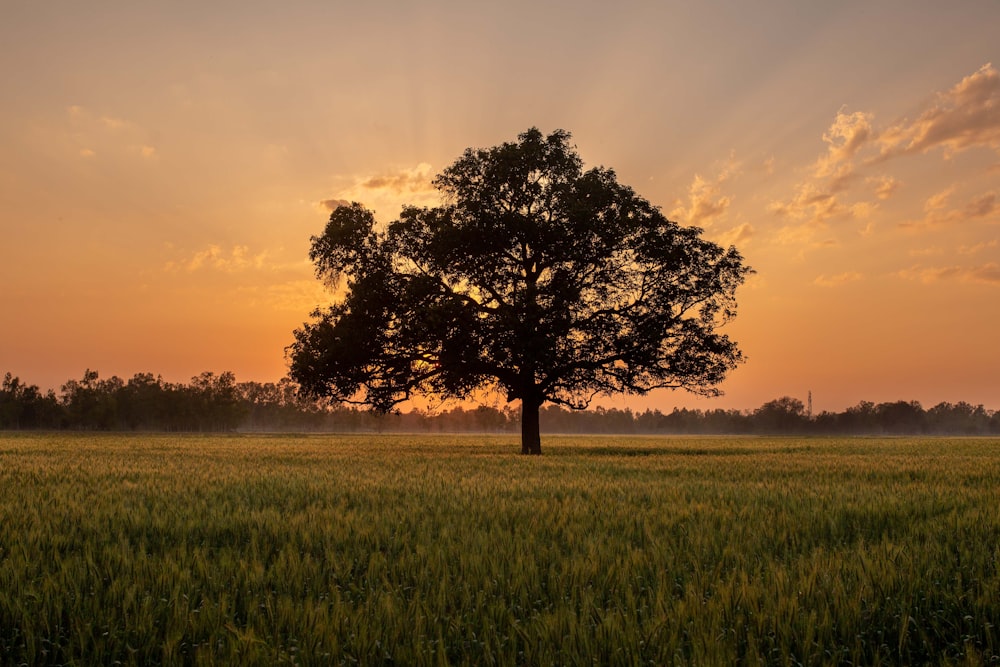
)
(861, 418)
(959, 417)
(25, 406)
(683, 420)
(782, 415)
(540, 279)
(900, 417)
(217, 401)
(141, 402)
(648, 421)
(90, 403)
(11, 393)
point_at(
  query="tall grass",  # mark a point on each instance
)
(453, 550)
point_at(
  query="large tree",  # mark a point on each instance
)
(535, 277)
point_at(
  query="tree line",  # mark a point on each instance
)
(218, 403)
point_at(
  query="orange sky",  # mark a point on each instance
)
(162, 166)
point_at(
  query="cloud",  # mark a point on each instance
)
(416, 179)
(739, 235)
(804, 236)
(845, 137)
(965, 116)
(389, 191)
(939, 200)
(215, 258)
(936, 213)
(981, 206)
(979, 247)
(925, 252)
(837, 280)
(300, 296)
(333, 204)
(885, 186)
(706, 202)
(108, 135)
(810, 203)
(818, 198)
(988, 273)
(930, 275)
(862, 209)
(113, 123)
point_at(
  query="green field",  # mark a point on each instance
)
(145, 549)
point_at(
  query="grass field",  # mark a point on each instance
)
(407, 550)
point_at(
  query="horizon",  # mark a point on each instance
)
(162, 170)
(442, 406)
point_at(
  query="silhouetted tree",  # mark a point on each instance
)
(550, 283)
(90, 402)
(861, 418)
(24, 406)
(900, 417)
(959, 417)
(11, 401)
(215, 400)
(784, 415)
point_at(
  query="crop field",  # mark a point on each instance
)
(409, 550)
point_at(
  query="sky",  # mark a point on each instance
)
(164, 164)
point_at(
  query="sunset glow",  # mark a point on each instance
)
(162, 168)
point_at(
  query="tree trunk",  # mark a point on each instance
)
(531, 440)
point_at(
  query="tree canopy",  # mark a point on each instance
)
(534, 277)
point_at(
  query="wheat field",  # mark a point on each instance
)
(410, 550)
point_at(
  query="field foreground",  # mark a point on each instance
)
(146, 549)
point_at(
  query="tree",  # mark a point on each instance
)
(536, 278)
(900, 417)
(782, 415)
